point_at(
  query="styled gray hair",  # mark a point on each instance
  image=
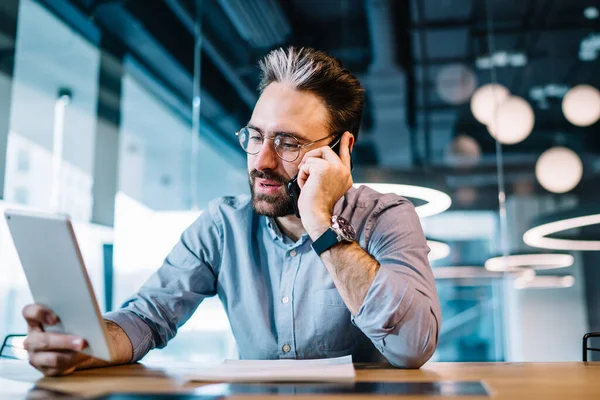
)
(306, 69)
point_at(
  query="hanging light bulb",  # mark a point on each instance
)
(559, 169)
(486, 100)
(513, 121)
(455, 83)
(581, 105)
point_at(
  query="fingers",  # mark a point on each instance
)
(36, 315)
(45, 341)
(327, 153)
(313, 164)
(303, 174)
(54, 354)
(56, 371)
(56, 363)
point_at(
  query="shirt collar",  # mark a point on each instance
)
(276, 233)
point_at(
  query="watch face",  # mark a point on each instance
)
(344, 229)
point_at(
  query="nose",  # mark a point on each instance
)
(266, 158)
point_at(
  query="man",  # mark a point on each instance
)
(351, 276)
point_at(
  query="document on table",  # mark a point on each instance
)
(338, 369)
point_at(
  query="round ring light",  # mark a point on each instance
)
(471, 272)
(545, 282)
(518, 262)
(438, 249)
(560, 222)
(436, 201)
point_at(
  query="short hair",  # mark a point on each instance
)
(307, 69)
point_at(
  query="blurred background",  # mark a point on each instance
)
(122, 113)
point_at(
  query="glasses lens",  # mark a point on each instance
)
(286, 147)
(250, 140)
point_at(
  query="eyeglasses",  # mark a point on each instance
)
(287, 147)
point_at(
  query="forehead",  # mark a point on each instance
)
(281, 108)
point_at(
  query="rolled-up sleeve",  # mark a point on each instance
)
(401, 311)
(151, 317)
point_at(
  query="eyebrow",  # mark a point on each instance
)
(294, 134)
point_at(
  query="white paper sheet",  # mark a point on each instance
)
(338, 369)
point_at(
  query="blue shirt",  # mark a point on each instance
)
(280, 299)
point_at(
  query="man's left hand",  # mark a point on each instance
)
(324, 178)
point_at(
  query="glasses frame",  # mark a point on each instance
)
(299, 148)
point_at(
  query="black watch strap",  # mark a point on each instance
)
(327, 240)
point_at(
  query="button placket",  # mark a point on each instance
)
(286, 310)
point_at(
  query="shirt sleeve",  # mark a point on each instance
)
(401, 311)
(151, 317)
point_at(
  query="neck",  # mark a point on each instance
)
(291, 226)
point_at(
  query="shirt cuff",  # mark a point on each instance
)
(386, 302)
(139, 333)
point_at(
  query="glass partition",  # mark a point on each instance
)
(545, 121)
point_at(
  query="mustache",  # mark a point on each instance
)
(269, 175)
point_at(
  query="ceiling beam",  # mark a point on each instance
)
(229, 72)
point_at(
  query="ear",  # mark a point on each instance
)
(351, 141)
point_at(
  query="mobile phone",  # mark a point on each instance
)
(294, 188)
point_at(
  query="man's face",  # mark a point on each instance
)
(282, 109)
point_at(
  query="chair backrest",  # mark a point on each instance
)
(12, 347)
(586, 348)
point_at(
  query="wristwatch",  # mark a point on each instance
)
(339, 231)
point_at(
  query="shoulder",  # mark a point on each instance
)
(228, 208)
(238, 203)
(370, 211)
(368, 202)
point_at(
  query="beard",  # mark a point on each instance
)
(276, 205)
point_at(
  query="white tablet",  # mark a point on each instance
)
(57, 277)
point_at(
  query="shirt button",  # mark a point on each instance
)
(285, 299)
(293, 253)
(286, 348)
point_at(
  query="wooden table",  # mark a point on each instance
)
(504, 380)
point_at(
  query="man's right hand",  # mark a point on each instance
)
(54, 354)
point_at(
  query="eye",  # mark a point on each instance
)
(255, 137)
(286, 143)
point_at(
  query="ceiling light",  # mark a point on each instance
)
(486, 100)
(591, 12)
(438, 249)
(476, 273)
(502, 59)
(581, 105)
(513, 121)
(517, 262)
(545, 282)
(518, 60)
(589, 47)
(464, 151)
(538, 235)
(559, 169)
(455, 83)
(542, 94)
(436, 201)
